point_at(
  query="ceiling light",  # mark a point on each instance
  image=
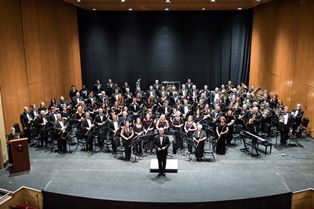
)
(203, 8)
(239, 8)
(78, 1)
(166, 9)
(130, 9)
(167, 1)
(212, 0)
(94, 9)
(122, 1)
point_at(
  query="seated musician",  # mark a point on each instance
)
(198, 116)
(77, 99)
(183, 92)
(60, 127)
(256, 118)
(186, 109)
(87, 126)
(134, 108)
(148, 128)
(13, 135)
(199, 138)
(177, 124)
(166, 109)
(84, 92)
(127, 134)
(189, 128)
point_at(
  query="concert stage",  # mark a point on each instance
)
(234, 176)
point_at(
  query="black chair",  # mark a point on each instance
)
(236, 133)
(80, 137)
(120, 149)
(211, 150)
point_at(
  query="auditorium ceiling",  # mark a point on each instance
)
(162, 5)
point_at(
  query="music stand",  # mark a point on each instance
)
(137, 140)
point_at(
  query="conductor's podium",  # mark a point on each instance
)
(171, 166)
(20, 155)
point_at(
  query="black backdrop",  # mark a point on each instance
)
(208, 47)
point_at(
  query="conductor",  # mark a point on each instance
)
(161, 143)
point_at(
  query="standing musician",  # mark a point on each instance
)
(26, 121)
(199, 138)
(286, 122)
(60, 126)
(87, 126)
(42, 122)
(138, 131)
(230, 123)
(100, 121)
(297, 114)
(127, 134)
(189, 128)
(221, 131)
(114, 127)
(163, 123)
(161, 143)
(148, 128)
(177, 124)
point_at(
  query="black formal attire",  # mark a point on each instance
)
(85, 125)
(221, 142)
(101, 134)
(189, 125)
(43, 124)
(138, 145)
(61, 136)
(178, 142)
(127, 132)
(26, 120)
(230, 131)
(148, 141)
(199, 148)
(114, 125)
(72, 92)
(161, 142)
(285, 127)
(297, 120)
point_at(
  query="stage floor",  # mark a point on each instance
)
(235, 175)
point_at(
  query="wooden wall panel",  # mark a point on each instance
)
(282, 55)
(39, 46)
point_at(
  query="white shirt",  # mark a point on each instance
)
(285, 117)
(115, 125)
(161, 138)
(89, 122)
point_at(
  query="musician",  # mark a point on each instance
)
(255, 119)
(125, 86)
(163, 123)
(62, 103)
(77, 99)
(103, 98)
(177, 124)
(34, 112)
(72, 91)
(189, 84)
(165, 109)
(26, 121)
(124, 118)
(157, 87)
(84, 92)
(60, 126)
(189, 128)
(97, 87)
(221, 131)
(52, 116)
(128, 96)
(13, 135)
(198, 116)
(64, 113)
(42, 122)
(267, 114)
(193, 96)
(138, 131)
(79, 115)
(199, 138)
(127, 133)
(148, 128)
(161, 143)
(114, 127)
(230, 123)
(134, 108)
(151, 91)
(110, 87)
(42, 106)
(297, 114)
(87, 125)
(53, 103)
(286, 122)
(100, 120)
(185, 109)
(183, 92)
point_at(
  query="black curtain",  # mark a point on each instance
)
(208, 47)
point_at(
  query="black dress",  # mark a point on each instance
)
(199, 148)
(127, 132)
(148, 141)
(138, 145)
(221, 142)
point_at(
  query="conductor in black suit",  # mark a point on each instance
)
(161, 143)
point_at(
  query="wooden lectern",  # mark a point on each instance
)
(20, 155)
